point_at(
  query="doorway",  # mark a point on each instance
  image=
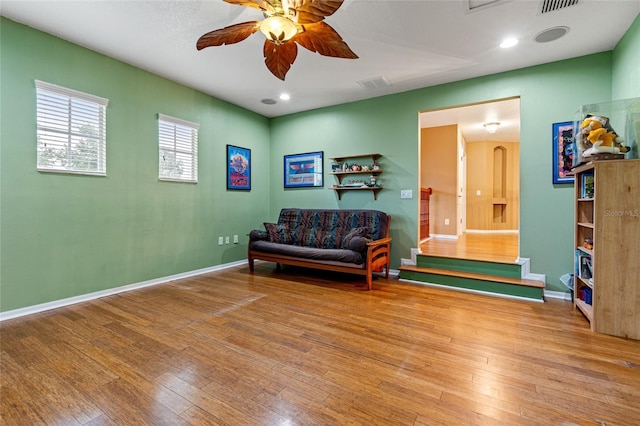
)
(472, 171)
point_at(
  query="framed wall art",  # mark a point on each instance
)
(563, 152)
(304, 170)
(238, 168)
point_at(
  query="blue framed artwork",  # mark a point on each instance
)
(238, 168)
(304, 170)
(563, 137)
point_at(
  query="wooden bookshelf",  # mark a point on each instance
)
(607, 232)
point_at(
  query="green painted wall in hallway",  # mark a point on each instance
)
(67, 235)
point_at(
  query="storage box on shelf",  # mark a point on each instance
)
(607, 249)
(366, 174)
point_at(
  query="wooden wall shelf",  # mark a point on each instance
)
(340, 188)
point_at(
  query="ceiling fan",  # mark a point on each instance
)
(286, 24)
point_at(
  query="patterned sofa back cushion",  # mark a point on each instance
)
(332, 228)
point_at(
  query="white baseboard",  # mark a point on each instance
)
(111, 291)
(557, 295)
(444, 236)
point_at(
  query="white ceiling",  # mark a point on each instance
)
(471, 118)
(412, 44)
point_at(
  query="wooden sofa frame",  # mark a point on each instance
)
(378, 258)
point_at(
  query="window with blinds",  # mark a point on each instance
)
(178, 148)
(71, 130)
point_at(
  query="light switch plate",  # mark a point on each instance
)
(406, 193)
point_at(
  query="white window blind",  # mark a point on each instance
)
(178, 147)
(71, 130)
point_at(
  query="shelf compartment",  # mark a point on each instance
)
(584, 211)
(587, 310)
(583, 282)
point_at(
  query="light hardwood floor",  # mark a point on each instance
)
(304, 347)
(489, 247)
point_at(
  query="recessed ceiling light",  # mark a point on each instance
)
(509, 42)
(269, 101)
(551, 34)
(285, 97)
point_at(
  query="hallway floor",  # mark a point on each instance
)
(488, 247)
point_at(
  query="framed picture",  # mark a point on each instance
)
(238, 168)
(304, 170)
(562, 152)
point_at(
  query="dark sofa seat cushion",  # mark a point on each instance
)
(338, 255)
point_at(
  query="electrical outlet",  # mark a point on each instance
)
(478, 192)
(235, 239)
(406, 193)
(220, 241)
(226, 240)
(446, 221)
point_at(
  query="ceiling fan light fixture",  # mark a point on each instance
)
(491, 127)
(279, 29)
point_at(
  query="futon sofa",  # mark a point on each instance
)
(352, 241)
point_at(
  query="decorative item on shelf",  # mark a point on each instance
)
(588, 243)
(355, 167)
(372, 180)
(336, 167)
(607, 131)
(345, 167)
(375, 166)
(587, 185)
(365, 168)
(598, 137)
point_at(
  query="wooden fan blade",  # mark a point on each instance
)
(322, 38)
(228, 35)
(279, 57)
(310, 11)
(263, 5)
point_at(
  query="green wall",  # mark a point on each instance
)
(389, 125)
(68, 235)
(626, 64)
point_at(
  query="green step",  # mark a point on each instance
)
(486, 283)
(467, 265)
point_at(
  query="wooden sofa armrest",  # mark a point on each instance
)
(378, 257)
(379, 242)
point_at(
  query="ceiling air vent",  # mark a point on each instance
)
(547, 6)
(374, 83)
